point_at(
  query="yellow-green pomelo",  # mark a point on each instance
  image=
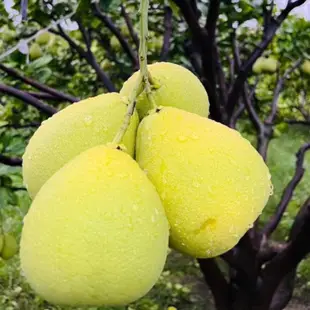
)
(270, 65)
(306, 67)
(43, 38)
(176, 86)
(258, 65)
(9, 248)
(76, 128)
(35, 51)
(96, 233)
(212, 182)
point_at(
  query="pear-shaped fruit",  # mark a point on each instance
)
(258, 65)
(43, 38)
(270, 65)
(35, 51)
(9, 248)
(76, 128)
(115, 44)
(175, 86)
(124, 30)
(211, 180)
(266, 65)
(96, 233)
(306, 67)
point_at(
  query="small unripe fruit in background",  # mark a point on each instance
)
(35, 51)
(9, 248)
(43, 38)
(175, 86)
(265, 65)
(306, 67)
(114, 42)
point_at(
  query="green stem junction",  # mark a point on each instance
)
(144, 79)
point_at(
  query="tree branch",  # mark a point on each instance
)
(167, 35)
(278, 89)
(288, 192)
(216, 282)
(44, 96)
(89, 57)
(132, 32)
(296, 122)
(287, 260)
(10, 161)
(56, 93)
(110, 25)
(41, 106)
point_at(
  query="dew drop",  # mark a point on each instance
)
(135, 207)
(194, 137)
(182, 138)
(153, 219)
(88, 120)
(271, 190)
(208, 252)
(196, 184)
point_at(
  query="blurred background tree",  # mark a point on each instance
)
(253, 58)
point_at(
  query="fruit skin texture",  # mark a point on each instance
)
(212, 182)
(96, 233)
(35, 51)
(178, 87)
(9, 248)
(76, 128)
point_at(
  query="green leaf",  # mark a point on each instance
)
(40, 62)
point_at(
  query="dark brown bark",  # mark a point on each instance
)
(46, 89)
(28, 99)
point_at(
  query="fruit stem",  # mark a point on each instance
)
(144, 80)
(147, 78)
(130, 110)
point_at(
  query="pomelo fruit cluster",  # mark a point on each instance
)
(102, 215)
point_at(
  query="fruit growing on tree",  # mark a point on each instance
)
(35, 51)
(76, 128)
(267, 65)
(9, 247)
(6, 34)
(306, 67)
(175, 86)
(96, 233)
(212, 182)
(106, 64)
(114, 42)
(124, 30)
(43, 38)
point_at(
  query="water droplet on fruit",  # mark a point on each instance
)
(153, 219)
(208, 252)
(196, 184)
(88, 119)
(135, 207)
(182, 138)
(271, 190)
(194, 137)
